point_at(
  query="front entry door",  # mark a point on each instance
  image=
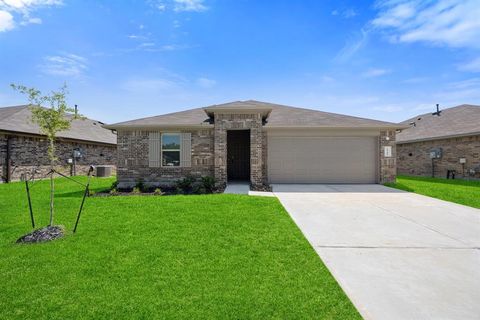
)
(238, 154)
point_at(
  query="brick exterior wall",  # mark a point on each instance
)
(388, 166)
(414, 158)
(3, 157)
(252, 122)
(133, 159)
(29, 153)
(209, 154)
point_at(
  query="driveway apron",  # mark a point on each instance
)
(397, 255)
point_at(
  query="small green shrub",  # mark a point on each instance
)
(136, 190)
(113, 192)
(158, 192)
(114, 185)
(208, 183)
(199, 189)
(185, 185)
(141, 185)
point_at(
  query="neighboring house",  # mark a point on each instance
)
(435, 143)
(258, 142)
(24, 150)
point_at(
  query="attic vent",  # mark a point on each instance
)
(419, 119)
(94, 123)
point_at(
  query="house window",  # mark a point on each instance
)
(171, 149)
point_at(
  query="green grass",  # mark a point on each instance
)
(458, 191)
(140, 257)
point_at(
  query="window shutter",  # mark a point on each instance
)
(154, 143)
(186, 150)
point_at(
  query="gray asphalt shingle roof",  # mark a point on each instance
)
(18, 119)
(457, 121)
(280, 116)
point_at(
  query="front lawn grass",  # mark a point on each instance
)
(459, 191)
(143, 257)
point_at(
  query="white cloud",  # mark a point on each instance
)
(415, 80)
(31, 21)
(347, 13)
(453, 23)
(189, 5)
(64, 65)
(388, 108)
(471, 66)
(372, 73)
(22, 9)
(6, 21)
(206, 83)
(352, 46)
(465, 84)
(149, 85)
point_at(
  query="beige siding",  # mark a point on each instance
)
(322, 159)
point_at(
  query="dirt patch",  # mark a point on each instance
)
(44, 234)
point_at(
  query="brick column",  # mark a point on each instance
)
(388, 165)
(220, 154)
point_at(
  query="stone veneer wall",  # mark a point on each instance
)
(253, 122)
(29, 153)
(414, 158)
(3, 157)
(388, 168)
(133, 159)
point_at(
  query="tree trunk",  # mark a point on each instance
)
(52, 163)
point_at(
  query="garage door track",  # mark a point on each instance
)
(397, 255)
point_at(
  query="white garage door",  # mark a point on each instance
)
(322, 159)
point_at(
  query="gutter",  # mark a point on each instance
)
(157, 126)
(439, 138)
(392, 127)
(35, 135)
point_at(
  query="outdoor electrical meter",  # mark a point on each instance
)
(77, 153)
(436, 153)
(387, 151)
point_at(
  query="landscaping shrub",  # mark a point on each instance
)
(185, 185)
(141, 185)
(113, 192)
(158, 192)
(198, 188)
(208, 183)
(114, 185)
(136, 190)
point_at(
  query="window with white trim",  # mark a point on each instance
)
(171, 146)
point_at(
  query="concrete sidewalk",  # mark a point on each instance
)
(397, 255)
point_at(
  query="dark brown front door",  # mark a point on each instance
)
(238, 154)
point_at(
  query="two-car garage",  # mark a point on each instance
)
(322, 157)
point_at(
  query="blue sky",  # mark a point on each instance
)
(387, 60)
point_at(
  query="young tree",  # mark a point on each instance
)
(51, 113)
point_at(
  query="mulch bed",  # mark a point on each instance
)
(44, 234)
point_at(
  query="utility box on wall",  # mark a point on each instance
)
(436, 153)
(387, 151)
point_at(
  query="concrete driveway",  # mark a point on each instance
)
(397, 255)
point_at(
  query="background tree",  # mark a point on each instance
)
(52, 114)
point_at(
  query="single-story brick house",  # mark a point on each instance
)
(24, 150)
(256, 141)
(437, 142)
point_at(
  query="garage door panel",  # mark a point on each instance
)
(322, 159)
